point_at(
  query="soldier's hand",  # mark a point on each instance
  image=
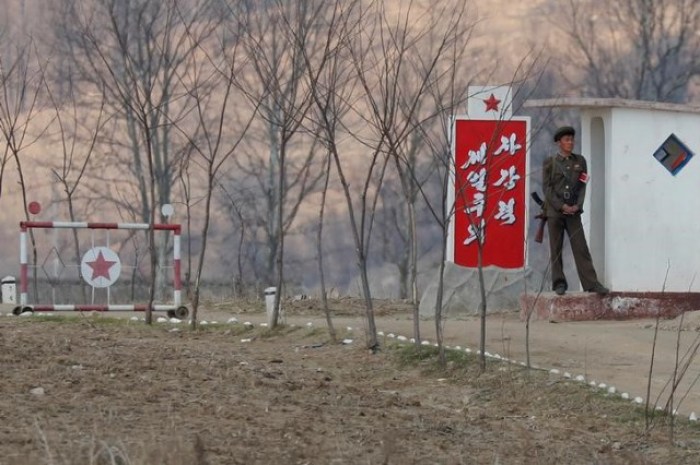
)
(569, 209)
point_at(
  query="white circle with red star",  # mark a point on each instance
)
(100, 267)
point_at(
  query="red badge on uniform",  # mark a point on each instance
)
(583, 177)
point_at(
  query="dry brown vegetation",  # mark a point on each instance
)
(118, 392)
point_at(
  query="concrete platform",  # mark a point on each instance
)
(585, 306)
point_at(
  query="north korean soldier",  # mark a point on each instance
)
(564, 182)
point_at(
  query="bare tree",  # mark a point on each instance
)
(77, 141)
(209, 79)
(396, 58)
(21, 85)
(273, 43)
(133, 50)
(638, 49)
(330, 80)
(441, 45)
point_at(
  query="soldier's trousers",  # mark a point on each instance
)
(571, 224)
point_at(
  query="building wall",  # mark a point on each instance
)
(644, 228)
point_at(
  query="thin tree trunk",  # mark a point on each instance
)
(319, 250)
(482, 305)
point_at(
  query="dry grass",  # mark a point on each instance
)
(122, 393)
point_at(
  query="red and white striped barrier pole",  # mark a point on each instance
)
(24, 274)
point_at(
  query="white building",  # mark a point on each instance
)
(642, 220)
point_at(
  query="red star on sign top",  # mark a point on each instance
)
(100, 267)
(492, 103)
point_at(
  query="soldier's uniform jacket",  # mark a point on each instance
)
(562, 183)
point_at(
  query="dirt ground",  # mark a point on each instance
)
(93, 389)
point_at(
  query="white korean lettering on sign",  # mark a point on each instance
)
(476, 156)
(477, 179)
(477, 206)
(508, 178)
(476, 232)
(509, 145)
(505, 211)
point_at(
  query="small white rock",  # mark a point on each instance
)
(161, 319)
(554, 371)
(26, 314)
(412, 340)
(380, 333)
(347, 341)
(487, 354)
(612, 390)
(174, 330)
(602, 386)
(625, 395)
(77, 367)
(425, 343)
(442, 380)
(232, 320)
(580, 378)
(402, 338)
(593, 384)
(693, 417)
(175, 321)
(436, 345)
(309, 324)
(204, 322)
(638, 400)
(246, 340)
(248, 324)
(567, 375)
(349, 328)
(215, 322)
(391, 335)
(38, 391)
(458, 347)
(523, 364)
(468, 350)
(264, 325)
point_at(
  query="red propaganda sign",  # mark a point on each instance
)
(490, 192)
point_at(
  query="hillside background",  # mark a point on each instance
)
(544, 48)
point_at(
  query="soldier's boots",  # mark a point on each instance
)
(599, 289)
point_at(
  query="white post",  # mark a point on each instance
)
(8, 290)
(270, 293)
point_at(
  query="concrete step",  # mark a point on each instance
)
(586, 306)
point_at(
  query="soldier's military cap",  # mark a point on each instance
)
(564, 131)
